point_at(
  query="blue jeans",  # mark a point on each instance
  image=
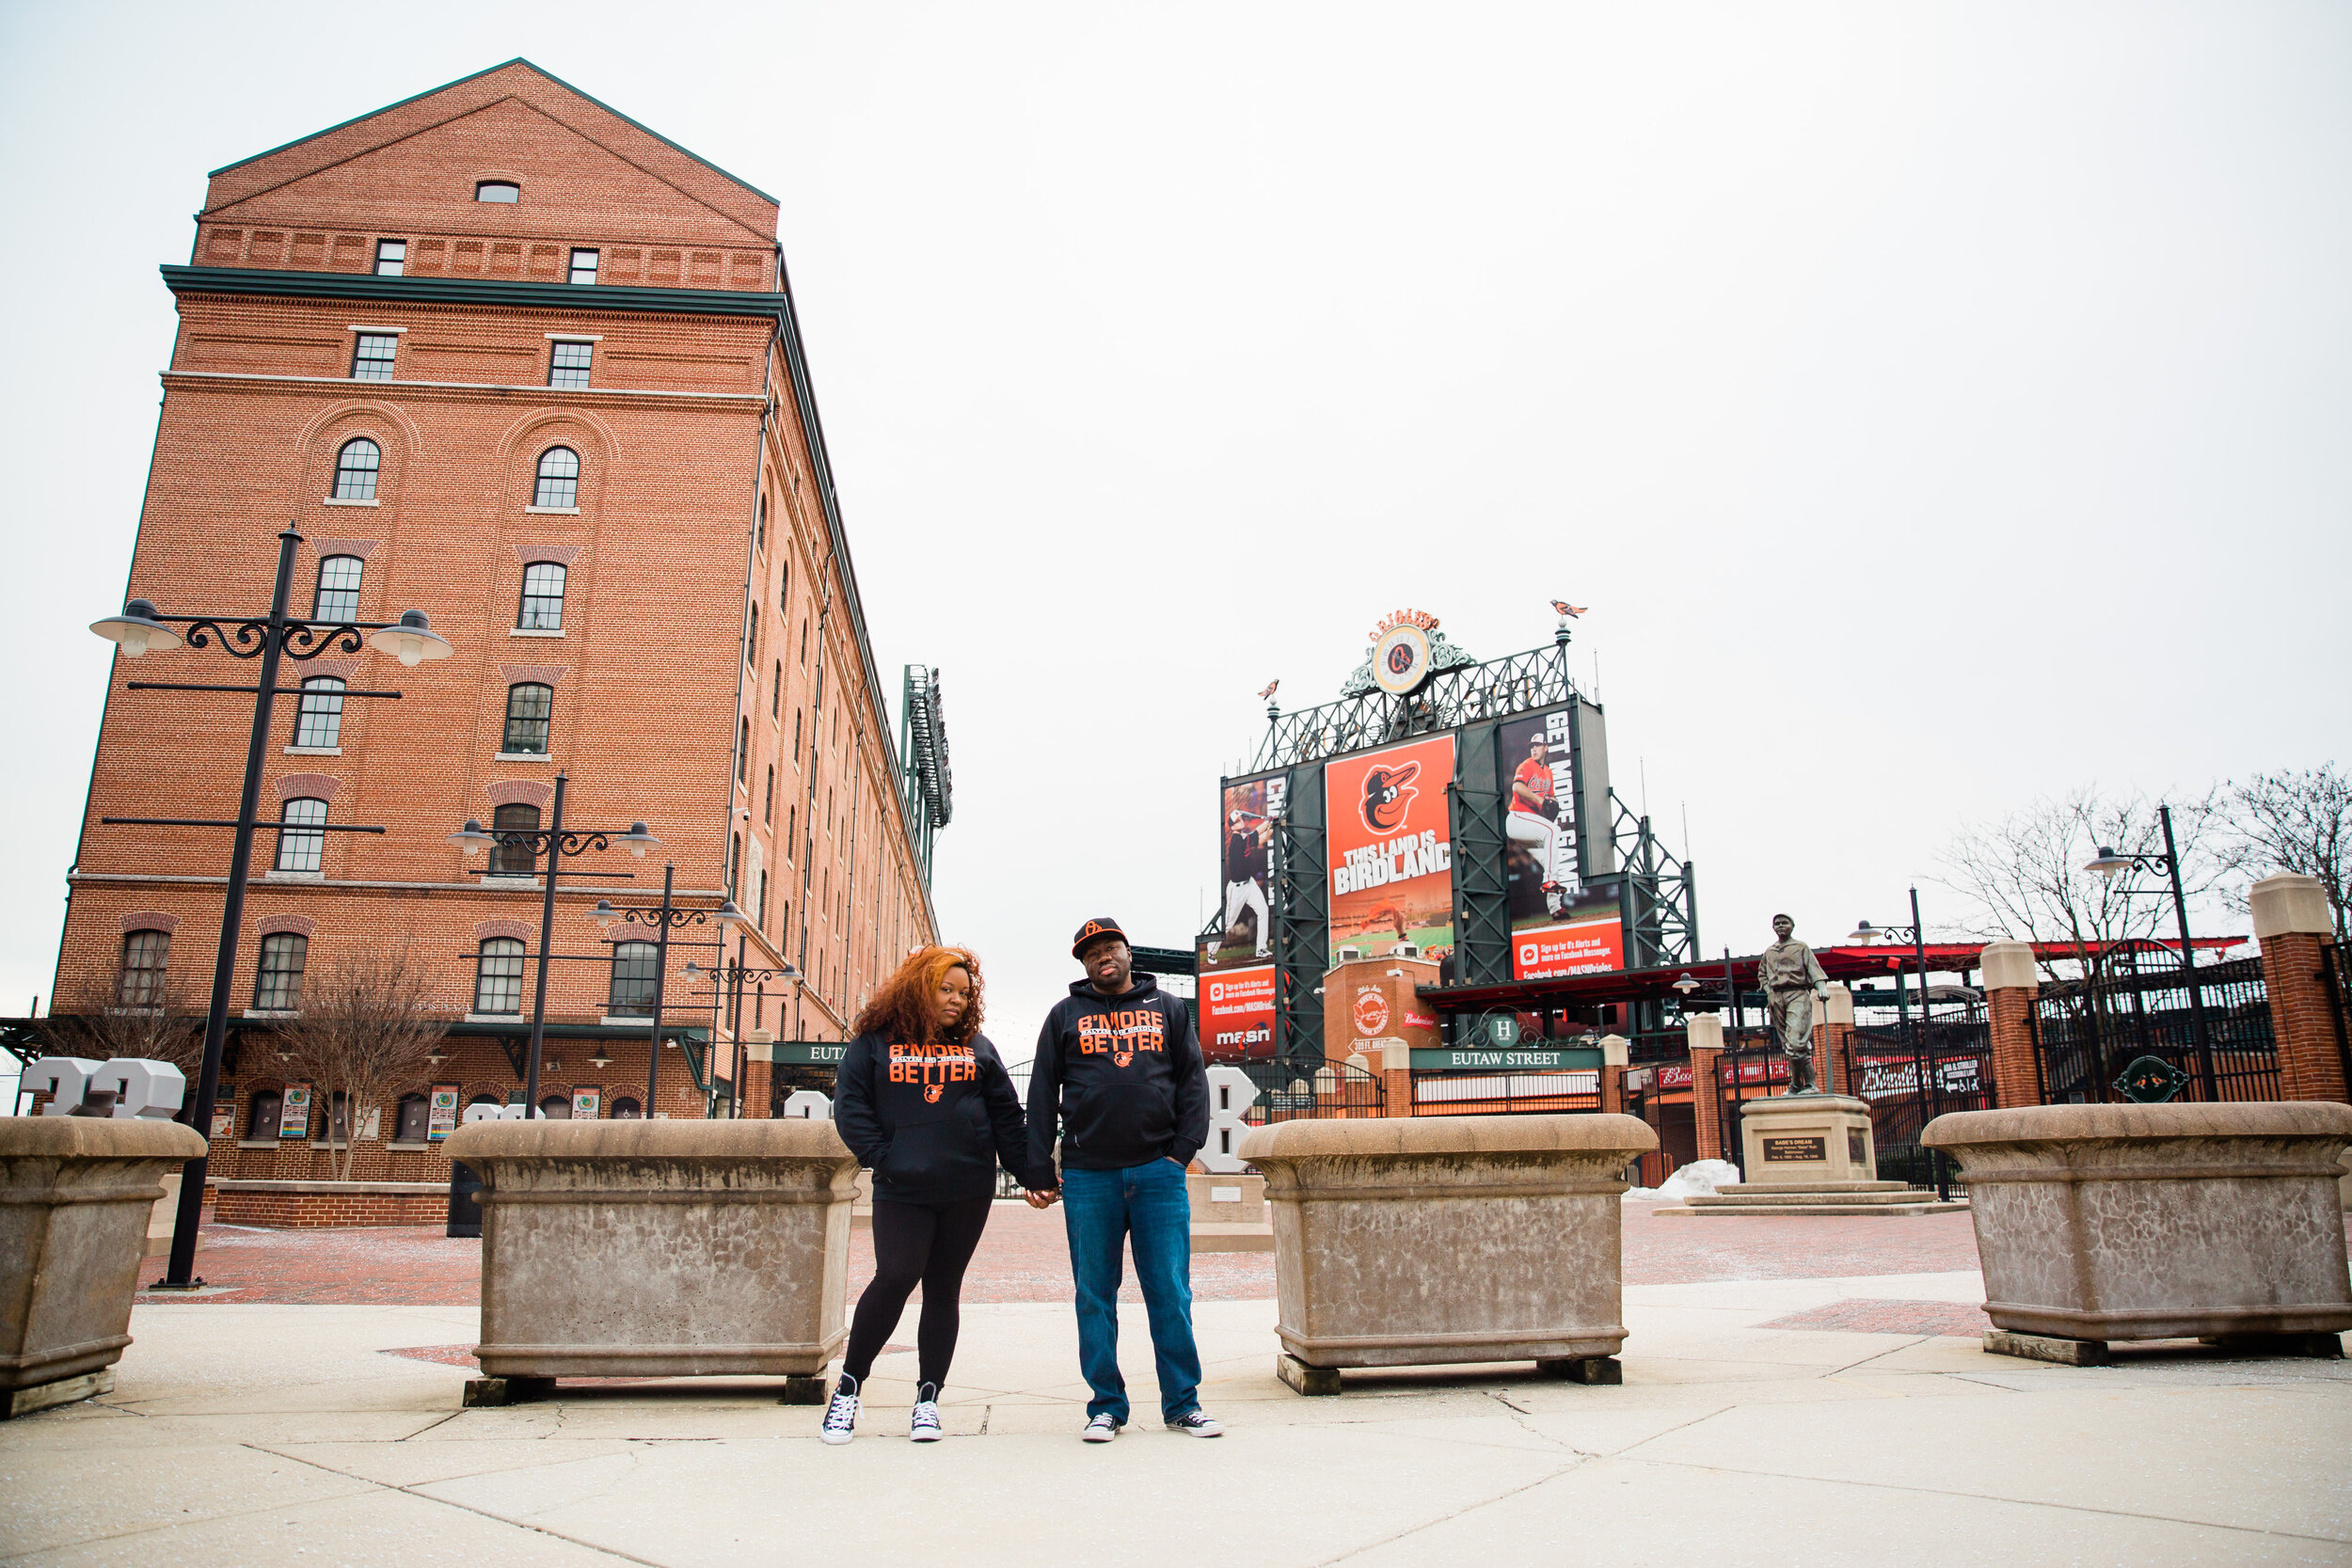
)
(1146, 1207)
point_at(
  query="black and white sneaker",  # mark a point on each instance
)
(841, 1415)
(1100, 1430)
(924, 1423)
(1195, 1424)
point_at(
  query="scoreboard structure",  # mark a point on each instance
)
(1442, 809)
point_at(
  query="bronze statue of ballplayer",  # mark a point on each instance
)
(1790, 977)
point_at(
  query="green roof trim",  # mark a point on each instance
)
(413, 98)
(270, 283)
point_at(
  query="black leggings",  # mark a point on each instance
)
(924, 1243)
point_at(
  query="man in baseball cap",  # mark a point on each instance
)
(1118, 1074)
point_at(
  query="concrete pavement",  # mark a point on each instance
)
(239, 1433)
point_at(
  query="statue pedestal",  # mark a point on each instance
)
(1804, 1140)
(1811, 1154)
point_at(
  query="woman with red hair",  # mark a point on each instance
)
(924, 1101)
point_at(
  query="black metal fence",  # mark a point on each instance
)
(1911, 1074)
(2087, 1031)
(1751, 1068)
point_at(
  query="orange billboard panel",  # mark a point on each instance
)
(1390, 847)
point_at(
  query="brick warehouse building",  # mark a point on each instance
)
(505, 355)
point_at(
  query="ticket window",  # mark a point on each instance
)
(556, 1107)
(414, 1123)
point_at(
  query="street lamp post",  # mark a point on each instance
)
(738, 973)
(2108, 864)
(663, 920)
(1916, 933)
(141, 628)
(557, 843)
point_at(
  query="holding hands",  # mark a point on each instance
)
(1042, 1198)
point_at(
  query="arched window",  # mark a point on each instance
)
(775, 693)
(356, 468)
(146, 955)
(413, 1123)
(784, 583)
(626, 1109)
(556, 1107)
(759, 540)
(514, 860)
(504, 191)
(558, 478)
(263, 1113)
(796, 735)
(632, 979)
(338, 596)
(530, 710)
(767, 813)
(498, 983)
(277, 984)
(302, 847)
(751, 643)
(319, 717)
(542, 597)
(743, 754)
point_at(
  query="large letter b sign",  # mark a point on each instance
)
(1230, 1094)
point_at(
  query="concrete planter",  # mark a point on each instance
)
(76, 1193)
(2153, 1222)
(658, 1249)
(1425, 1241)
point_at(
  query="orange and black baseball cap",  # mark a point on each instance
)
(1093, 929)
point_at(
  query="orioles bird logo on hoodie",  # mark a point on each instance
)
(930, 1094)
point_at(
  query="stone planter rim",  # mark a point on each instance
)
(2298, 1118)
(789, 1137)
(98, 1138)
(1408, 1137)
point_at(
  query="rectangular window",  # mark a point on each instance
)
(567, 364)
(146, 957)
(338, 596)
(499, 979)
(542, 597)
(514, 857)
(301, 844)
(583, 266)
(631, 993)
(278, 985)
(319, 721)
(775, 693)
(373, 360)
(391, 257)
(763, 901)
(530, 711)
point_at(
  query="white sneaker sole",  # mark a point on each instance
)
(1098, 1435)
(925, 1435)
(835, 1439)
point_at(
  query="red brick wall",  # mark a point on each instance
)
(685, 428)
(2015, 1080)
(330, 1211)
(1705, 1090)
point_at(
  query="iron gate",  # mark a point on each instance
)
(2085, 1032)
(1911, 1074)
(1751, 1068)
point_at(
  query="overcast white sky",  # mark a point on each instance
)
(1937, 405)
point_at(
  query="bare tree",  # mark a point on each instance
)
(2025, 872)
(2298, 822)
(153, 1018)
(367, 1026)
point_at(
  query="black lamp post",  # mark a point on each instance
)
(663, 921)
(1922, 1059)
(740, 971)
(142, 628)
(556, 842)
(2108, 864)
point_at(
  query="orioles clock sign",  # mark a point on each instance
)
(1402, 657)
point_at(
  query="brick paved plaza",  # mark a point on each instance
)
(1795, 1390)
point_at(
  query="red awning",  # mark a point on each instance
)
(1838, 963)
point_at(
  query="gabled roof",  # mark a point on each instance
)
(517, 79)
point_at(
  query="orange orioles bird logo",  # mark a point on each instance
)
(1388, 796)
(930, 1094)
(1123, 1052)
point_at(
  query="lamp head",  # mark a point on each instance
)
(1865, 933)
(604, 915)
(727, 914)
(638, 840)
(1686, 985)
(412, 640)
(2108, 864)
(693, 970)
(137, 629)
(471, 838)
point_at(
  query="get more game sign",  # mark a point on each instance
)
(1390, 847)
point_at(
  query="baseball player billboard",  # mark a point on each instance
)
(1559, 925)
(1390, 847)
(1244, 859)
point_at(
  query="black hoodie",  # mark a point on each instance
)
(928, 1118)
(1124, 1076)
